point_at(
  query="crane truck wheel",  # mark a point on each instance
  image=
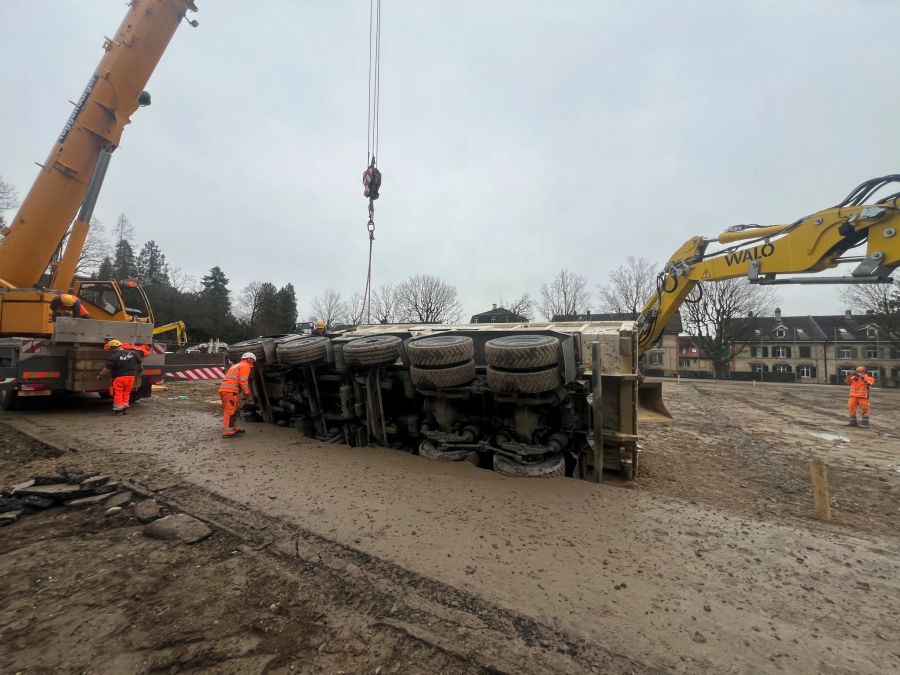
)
(8, 399)
(522, 352)
(440, 378)
(550, 467)
(375, 350)
(440, 350)
(514, 382)
(302, 350)
(255, 345)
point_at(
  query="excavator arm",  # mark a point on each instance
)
(181, 338)
(818, 242)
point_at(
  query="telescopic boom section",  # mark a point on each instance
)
(112, 94)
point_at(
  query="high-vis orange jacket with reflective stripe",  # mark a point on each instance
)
(237, 379)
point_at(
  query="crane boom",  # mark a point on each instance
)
(113, 93)
(812, 244)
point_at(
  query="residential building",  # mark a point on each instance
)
(498, 315)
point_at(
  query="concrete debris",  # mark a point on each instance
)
(113, 510)
(146, 510)
(58, 491)
(9, 517)
(179, 527)
(94, 481)
(82, 502)
(21, 486)
(11, 504)
(35, 502)
(120, 499)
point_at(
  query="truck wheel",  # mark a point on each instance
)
(512, 382)
(238, 348)
(551, 466)
(8, 399)
(302, 350)
(428, 451)
(440, 378)
(440, 350)
(522, 352)
(375, 350)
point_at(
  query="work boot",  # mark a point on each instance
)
(124, 411)
(852, 421)
(117, 412)
(865, 421)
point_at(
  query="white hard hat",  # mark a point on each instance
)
(248, 355)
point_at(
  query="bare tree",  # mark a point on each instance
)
(629, 287)
(524, 306)
(95, 249)
(354, 309)
(183, 282)
(124, 229)
(722, 316)
(247, 305)
(427, 299)
(881, 304)
(566, 295)
(329, 307)
(9, 199)
(384, 304)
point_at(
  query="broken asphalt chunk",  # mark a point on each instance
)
(82, 502)
(9, 517)
(178, 527)
(146, 510)
(120, 499)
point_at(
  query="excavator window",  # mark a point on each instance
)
(102, 295)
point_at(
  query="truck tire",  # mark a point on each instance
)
(551, 466)
(513, 382)
(432, 453)
(522, 352)
(302, 350)
(238, 348)
(8, 399)
(441, 350)
(441, 378)
(375, 350)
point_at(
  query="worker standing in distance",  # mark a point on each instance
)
(122, 366)
(66, 304)
(319, 327)
(235, 387)
(859, 382)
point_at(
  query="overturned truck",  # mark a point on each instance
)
(539, 399)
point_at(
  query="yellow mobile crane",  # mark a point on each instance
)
(39, 250)
(815, 243)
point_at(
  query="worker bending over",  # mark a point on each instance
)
(122, 367)
(859, 382)
(235, 387)
(68, 305)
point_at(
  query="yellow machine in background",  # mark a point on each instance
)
(181, 337)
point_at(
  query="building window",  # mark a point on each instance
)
(781, 352)
(845, 353)
(845, 373)
(656, 359)
(804, 352)
(759, 352)
(781, 332)
(871, 332)
(757, 367)
(805, 371)
(685, 363)
(873, 371)
(782, 368)
(871, 352)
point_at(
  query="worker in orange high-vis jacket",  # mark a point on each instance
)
(122, 366)
(235, 386)
(859, 382)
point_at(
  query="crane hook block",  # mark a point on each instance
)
(371, 182)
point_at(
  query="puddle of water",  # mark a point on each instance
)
(825, 436)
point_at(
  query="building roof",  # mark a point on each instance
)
(498, 315)
(825, 328)
(674, 324)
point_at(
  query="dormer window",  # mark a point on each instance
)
(781, 332)
(871, 332)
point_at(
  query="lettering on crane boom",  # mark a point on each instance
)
(77, 111)
(749, 254)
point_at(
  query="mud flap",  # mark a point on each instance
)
(650, 403)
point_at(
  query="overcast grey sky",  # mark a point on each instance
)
(518, 137)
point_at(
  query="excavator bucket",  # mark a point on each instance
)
(650, 403)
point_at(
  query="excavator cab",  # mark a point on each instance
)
(114, 301)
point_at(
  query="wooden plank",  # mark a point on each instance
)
(818, 474)
(597, 383)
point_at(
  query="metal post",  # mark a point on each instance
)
(596, 382)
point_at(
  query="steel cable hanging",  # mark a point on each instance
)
(372, 176)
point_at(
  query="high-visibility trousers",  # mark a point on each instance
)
(858, 402)
(120, 390)
(230, 402)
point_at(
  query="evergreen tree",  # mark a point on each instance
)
(212, 316)
(151, 265)
(266, 316)
(105, 271)
(123, 260)
(214, 290)
(286, 299)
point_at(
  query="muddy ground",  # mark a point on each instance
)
(332, 559)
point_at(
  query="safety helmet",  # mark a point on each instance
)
(319, 324)
(248, 356)
(112, 344)
(68, 300)
(860, 369)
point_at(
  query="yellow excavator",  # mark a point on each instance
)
(762, 254)
(181, 336)
(40, 248)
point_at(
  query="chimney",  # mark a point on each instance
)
(495, 306)
(778, 313)
(847, 313)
